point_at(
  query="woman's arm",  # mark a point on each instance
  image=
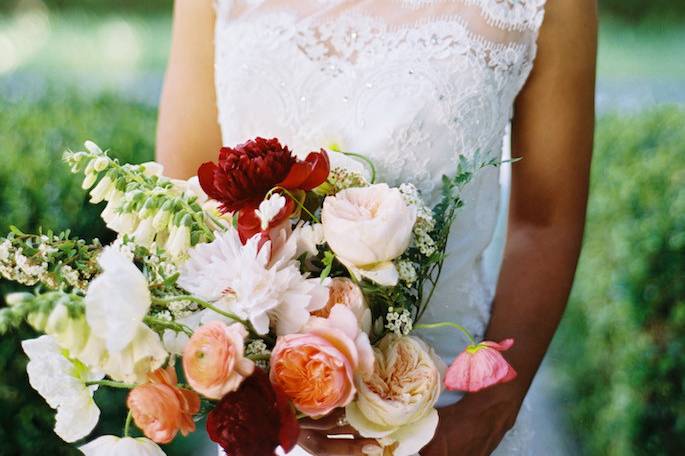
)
(187, 131)
(553, 129)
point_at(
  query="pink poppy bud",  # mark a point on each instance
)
(480, 366)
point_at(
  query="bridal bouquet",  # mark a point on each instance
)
(267, 289)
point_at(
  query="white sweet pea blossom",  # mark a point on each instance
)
(243, 279)
(120, 344)
(109, 445)
(62, 383)
(117, 300)
(269, 208)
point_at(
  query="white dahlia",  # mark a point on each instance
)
(245, 280)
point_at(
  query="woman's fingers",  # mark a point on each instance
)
(319, 444)
(329, 421)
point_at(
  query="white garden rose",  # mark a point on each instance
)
(62, 383)
(396, 404)
(367, 228)
(109, 445)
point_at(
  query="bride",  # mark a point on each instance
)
(413, 84)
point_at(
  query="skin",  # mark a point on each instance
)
(552, 129)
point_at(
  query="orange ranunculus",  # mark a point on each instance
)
(213, 359)
(161, 409)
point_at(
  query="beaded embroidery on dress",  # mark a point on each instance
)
(410, 83)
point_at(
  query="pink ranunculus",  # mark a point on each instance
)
(214, 361)
(480, 366)
(161, 409)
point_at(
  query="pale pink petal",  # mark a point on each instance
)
(476, 369)
(505, 345)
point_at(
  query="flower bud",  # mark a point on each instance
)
(162, 218)
(179, 241)
(152, 169)
(145, 233)
(92, 148)
(13, 299)
(149, 207)
(102, 190)
(89, 181)
(100, 164)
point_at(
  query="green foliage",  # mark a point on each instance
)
(102, 5)
(623, 339)
(37, 190)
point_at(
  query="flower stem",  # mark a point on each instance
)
(127, 424)
(297, 201)
(206, 305)
(445, 324)
(111, 384)
(263, 357)
(172, 325)
(366, 159)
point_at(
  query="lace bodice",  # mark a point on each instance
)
(410, 83)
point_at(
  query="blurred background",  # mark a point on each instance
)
(613, 383)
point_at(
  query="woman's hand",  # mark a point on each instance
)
(475, 425)
(314, 437)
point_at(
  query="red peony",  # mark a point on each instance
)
(245, 174)
(254, 420)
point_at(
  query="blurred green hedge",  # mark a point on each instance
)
(631, 9)
(642, 9)
(622, 342)
(36, 189)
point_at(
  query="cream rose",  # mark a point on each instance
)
(367, 228)
(395, 404)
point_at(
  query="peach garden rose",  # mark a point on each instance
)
(214, 361)
(316, 369)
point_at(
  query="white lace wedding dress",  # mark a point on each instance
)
(410, 83)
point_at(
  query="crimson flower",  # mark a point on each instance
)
(254, 420)
(245, 174)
